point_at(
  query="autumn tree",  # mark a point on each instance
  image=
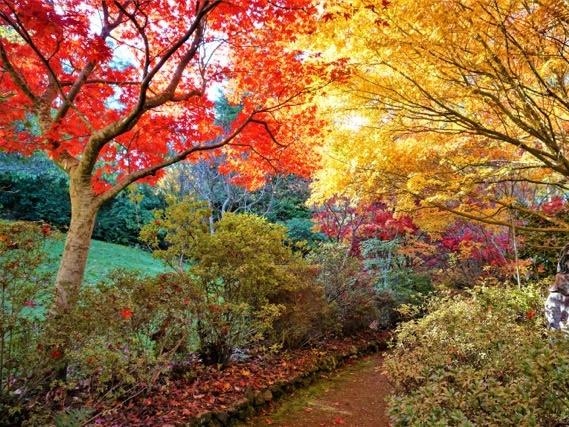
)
(342, 221)
(455, 108)
(117, 90)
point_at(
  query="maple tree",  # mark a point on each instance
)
(342, 221)
(116, 91)
(455, 108)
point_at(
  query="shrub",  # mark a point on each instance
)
(306, 316)
(24, 297)
(249, 279)
(249, 255)
(395, 281)
(122, 334)
(302, 230)
(246, 267)
(349, 290)
(127, 330)
(35, 189)
(223, 327)
(121, 219)
(481, 358)
(176, 231)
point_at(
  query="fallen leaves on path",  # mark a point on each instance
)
(212, 389)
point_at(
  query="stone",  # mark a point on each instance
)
(258, 401)
(222, 417)
(202, 420)
(277, 390)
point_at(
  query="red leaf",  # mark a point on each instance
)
(56, 354)
(126, 313)
(46, 229)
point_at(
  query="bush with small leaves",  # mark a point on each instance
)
(307, 317)
(127, 330)
(480, 358)
(176, 231)
(253, 286)
(248, 272)
(25, 293)
(396, 283)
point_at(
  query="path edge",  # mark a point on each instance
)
(258, 400)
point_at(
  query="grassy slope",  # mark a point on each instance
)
(106, 257)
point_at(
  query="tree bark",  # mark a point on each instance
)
(74, 259)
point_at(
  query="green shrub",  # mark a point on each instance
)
(35, 189)
(251, 282)
(481, 358)
(249, 255)
(246, 263)
(302, 230)
(176, 231)
(121, 219)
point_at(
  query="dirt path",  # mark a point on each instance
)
(353, 396)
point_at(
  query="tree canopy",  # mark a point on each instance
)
(120, 89)
(457, 108)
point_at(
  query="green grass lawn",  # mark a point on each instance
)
(106, 257)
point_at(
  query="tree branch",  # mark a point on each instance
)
(151, 170)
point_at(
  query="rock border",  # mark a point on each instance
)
(257, 400)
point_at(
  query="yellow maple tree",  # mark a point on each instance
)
(455, 107)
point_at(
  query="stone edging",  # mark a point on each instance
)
(257, 400)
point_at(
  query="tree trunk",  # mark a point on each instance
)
(74, 259)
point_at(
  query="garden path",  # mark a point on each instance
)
(353, 396)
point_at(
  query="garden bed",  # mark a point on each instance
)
(218, 397)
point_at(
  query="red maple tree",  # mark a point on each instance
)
(117, 90)
(343, 221)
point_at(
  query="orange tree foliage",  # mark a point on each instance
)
(117, 90)
(454, 108)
